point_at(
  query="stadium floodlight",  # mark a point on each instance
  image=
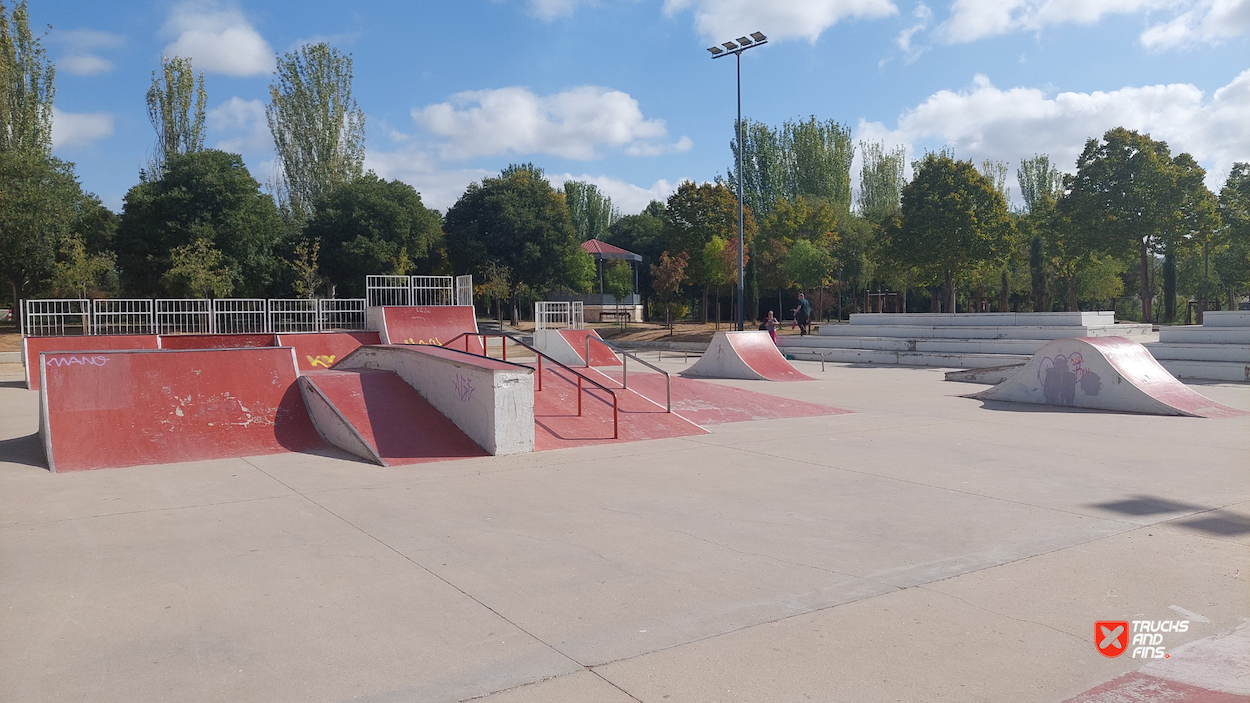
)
(744, 43)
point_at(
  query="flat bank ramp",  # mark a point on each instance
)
(744, 355)
(109, 409)
(377, 416)
(1103, 373)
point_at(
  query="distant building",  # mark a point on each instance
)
(601, 306)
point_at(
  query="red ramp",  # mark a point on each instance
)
(126, 408)
(32, 347)
(435, 325)
(379, 417)
(319, 350)
(744, 355)
(1103, 373)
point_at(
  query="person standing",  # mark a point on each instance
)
(803, 315)
(770, 324)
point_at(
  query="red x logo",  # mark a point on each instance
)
(1111, 637)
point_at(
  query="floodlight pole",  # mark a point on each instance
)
(737, 49)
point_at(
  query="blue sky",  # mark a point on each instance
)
(623, 92)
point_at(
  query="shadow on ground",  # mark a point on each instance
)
(23, 450)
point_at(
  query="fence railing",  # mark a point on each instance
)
(418, 290)
(61, 317)
(559, 315)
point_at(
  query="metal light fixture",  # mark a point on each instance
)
(744, 43)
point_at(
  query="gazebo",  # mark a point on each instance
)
(601, 305)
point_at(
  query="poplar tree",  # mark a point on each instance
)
(27, 79)
(591, 211)
(176, 107)
(881, 180)
(318, 129)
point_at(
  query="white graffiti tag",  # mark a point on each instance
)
(76, 360)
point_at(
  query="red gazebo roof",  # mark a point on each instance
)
(603, 250)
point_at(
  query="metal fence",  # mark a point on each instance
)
(49, 318)
(418, 290)
(123, 316)
(559, 315)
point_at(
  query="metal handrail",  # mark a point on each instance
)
(616, 423)
(625, 357)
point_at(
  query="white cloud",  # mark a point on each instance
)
(244, 123)
(629, 198)
(218, 40)
(84, 64)
(921, 18)
(81, 47)
(1209, 21)
(721, 20)
(985, 122)
(573, 124)
(1194, 21)
(548, 10)
(79, 128)
(439, 188)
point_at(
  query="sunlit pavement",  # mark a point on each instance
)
(925, 547)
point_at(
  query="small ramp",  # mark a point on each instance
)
(1103, 373)
(435, 325)
(569, 347)
(126, 408)
(744, 355)
(319, 350)
(377, 416)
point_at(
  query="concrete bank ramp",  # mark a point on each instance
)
(380, 418)
(745, 355)
(1103, 373)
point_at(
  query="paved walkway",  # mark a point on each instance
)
(924, 548)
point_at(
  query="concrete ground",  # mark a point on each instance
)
(926, 548)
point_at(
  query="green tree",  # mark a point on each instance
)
(518, 220)
(763, 166)
(318, 129)
(800, 220)
(1124, 193)
(202, 195)
(952, 220)
(198, 270)
(40, 203)
(668, 276)
(373, 226)
(306, 266)
(818, 156)
(697, 213)
(80, 274)
(1229, 251)
(1041, 186)
(28, 81)
(590, 209)
(642, 234)
(618, 281)
(881, 180)
(176, 107)
(1197, 226)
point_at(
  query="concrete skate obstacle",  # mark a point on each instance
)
(744, 355)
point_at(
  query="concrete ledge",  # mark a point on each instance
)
(997, 332)
(985, 319)
(491, 401)
(1207, 370)
(872, 356)
(1226, 318)
(1200, 352)
(11, 357)
(1201, 334)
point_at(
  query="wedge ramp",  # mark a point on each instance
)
(744, 355)
(1103, 373)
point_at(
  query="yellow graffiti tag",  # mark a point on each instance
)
(433, 341)
(323, 360)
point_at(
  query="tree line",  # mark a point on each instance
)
(1132, 223)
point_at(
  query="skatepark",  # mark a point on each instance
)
(422, 512)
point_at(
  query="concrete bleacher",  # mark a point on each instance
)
(1218, 349)
(961, 340)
